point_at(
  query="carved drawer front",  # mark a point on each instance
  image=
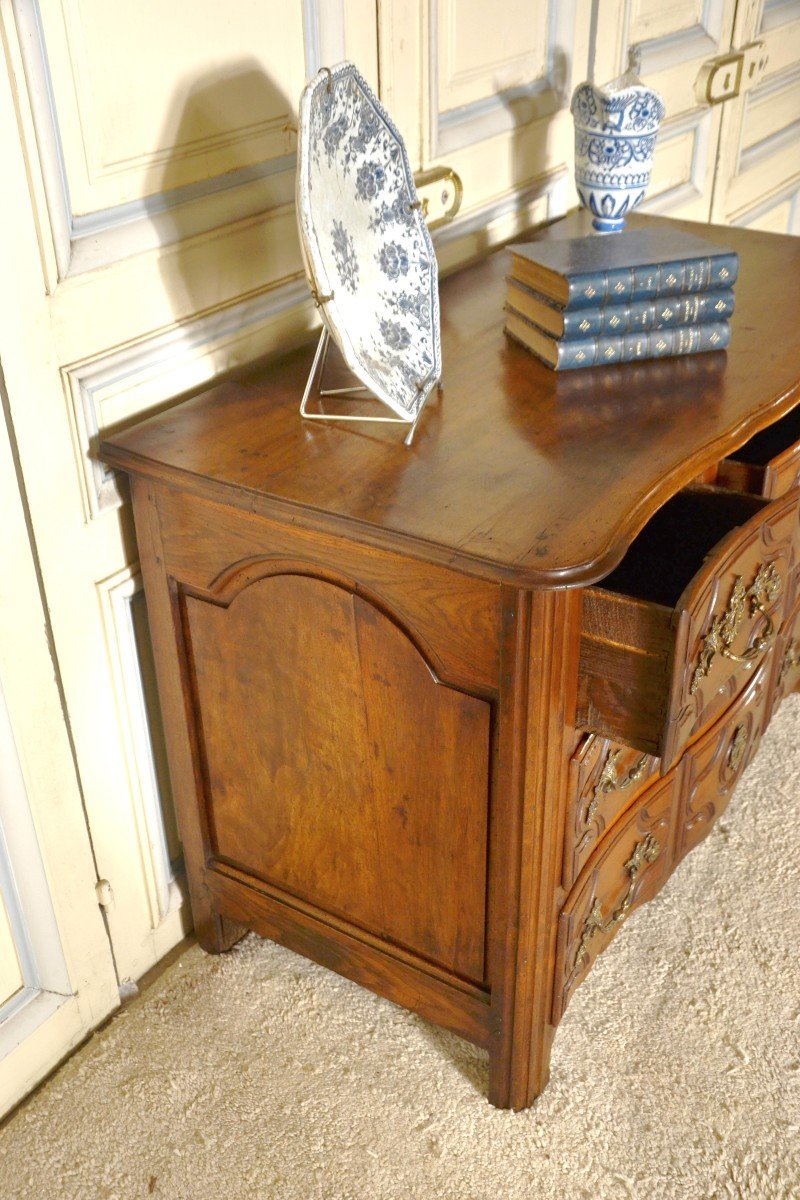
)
(604, 778)
(769, 464)
(786, 666)
(715, 763)
(675, 632)
(628, 868)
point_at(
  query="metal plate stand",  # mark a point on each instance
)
(314, 387)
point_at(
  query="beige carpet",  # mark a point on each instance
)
(676, 1071)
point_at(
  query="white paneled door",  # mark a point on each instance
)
(148, 244)
(758, 178)
(57, 976)
(486, 92)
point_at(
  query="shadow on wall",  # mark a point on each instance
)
(527, 152)
(228, 160)
(232, 161)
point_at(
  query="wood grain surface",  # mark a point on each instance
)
(515, 472)
(339, 770)
(646, 625)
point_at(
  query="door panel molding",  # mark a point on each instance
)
(779, 213)
(673, 43)
(510, 108)
(47, 875)
(701, 38)
(510, 147)
(148, 783)
(24, 889)
(683, 164)
(128, 380)
(499, 220)
(110, 232)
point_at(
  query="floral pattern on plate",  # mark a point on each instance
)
(366, 244)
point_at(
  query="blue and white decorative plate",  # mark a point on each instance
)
(368, 254)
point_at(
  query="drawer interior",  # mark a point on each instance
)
(673, 545)
(770, 442)
(628, 667)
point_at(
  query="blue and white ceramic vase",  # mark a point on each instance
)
(615, 137)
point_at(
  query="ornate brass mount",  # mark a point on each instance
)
(610, 781)
(765, 588)
(791, 659)
(646, 851)
(737, 748)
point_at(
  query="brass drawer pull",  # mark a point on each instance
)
(765, 588)
(609, 781)
(646, 851)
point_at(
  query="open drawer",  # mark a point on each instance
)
(769, 464)
(673, 634)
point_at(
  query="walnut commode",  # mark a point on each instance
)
(441, 717)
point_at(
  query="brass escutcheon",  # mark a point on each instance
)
(791, 659)
(447, 176)
(737, 747)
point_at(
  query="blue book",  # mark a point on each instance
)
(564, 355)
(637, 315)
(642, 264)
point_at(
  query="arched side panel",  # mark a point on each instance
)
(337, 767)
(233, 581)
(215, 551)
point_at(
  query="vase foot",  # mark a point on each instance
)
(608, 224)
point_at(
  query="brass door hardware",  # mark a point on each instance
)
(729, 75)
(451, 194)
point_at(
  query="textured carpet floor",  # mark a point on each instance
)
(676, 1071)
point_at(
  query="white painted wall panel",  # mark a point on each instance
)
(758, 173)
(165, 95)
(479, 57)
(651, 19)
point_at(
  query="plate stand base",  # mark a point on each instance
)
(314, 387)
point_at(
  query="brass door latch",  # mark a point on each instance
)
(730, 75)
(440, 191)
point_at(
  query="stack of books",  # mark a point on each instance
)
(648, 293)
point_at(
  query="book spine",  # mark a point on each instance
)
(657, 343)
(642, 315)
(651, 283)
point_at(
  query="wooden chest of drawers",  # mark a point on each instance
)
(442, 716)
